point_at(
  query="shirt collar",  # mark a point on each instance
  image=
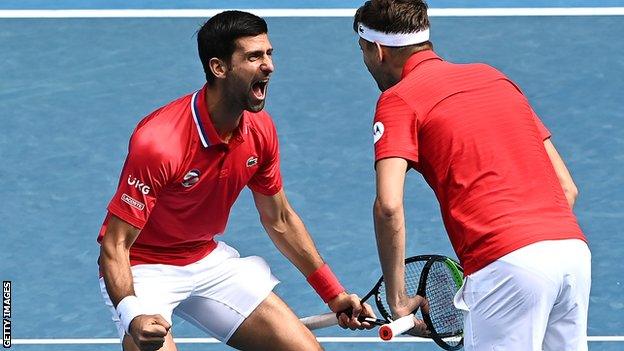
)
(416, 59)
(205, 128)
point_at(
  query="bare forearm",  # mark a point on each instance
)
(293, 241)
(563, 175)
(390, 235)
(570, 191)
(115, 266)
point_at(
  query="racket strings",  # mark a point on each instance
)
(412, 278)
(447, 320)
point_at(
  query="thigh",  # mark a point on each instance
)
(273, 326)
(567, 324)
(508, 308)
(226, 293)
(160, 288)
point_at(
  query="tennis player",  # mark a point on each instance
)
(505, 194)
(186, 165)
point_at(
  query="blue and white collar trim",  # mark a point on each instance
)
(198, 123)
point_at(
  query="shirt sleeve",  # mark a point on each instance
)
(268, 178)
(144, 174)
(395, 131)
(544, 133)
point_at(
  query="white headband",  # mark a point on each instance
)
(392, 39)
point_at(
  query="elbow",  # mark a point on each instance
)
(571, 193)
(387, 209)
(107, 253)
(107, 257)
(276, 224)
(112, 249)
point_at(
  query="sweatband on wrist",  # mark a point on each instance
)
(325, 283)
(127, 309)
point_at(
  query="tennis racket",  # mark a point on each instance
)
(434, 277)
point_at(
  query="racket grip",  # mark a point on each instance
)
(397, 327)
(320, 321)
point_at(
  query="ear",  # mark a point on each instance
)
(380, 52)
(218, 67)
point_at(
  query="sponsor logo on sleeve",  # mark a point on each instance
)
(378, 130)
(252, 161)
(139, 184)
(191, 178)
(132, 202)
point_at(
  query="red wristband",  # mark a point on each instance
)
(325, 283)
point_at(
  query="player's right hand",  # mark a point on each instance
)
(149, 331)
(410, 304)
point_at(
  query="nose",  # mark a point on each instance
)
(267, 66)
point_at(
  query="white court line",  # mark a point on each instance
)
(322, 339)
(345, 12)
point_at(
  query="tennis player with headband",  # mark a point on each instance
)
(187, 163)
(505, 194)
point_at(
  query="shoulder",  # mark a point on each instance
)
(163, 134)
(390, 101)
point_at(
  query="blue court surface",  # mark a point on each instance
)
(72, 90)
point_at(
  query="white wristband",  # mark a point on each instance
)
(128, 308)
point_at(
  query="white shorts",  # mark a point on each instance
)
(535, 298)
(215, 293)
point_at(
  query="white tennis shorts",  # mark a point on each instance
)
(215, 294)
(535, 298)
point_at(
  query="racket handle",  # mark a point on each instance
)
(320, 321)
(397, 327)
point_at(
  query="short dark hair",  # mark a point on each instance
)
(393, 16)
(217, 37)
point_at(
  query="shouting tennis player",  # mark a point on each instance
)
(505, 194)
(186, 165)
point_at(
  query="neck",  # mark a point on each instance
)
(395, 71)
(224, 114)
(392, 74)
(396, 60)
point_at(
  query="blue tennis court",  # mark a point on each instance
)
(72, 90)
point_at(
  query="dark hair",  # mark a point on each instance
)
(217, 37)
(393, 16)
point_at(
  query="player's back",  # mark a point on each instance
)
(481, 150)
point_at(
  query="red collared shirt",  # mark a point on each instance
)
(180, 179)
(477, 142)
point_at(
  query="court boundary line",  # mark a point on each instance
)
(344, 12)
(321, 339)
(293, 12)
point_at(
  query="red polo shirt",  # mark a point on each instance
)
(180, 179)
(474, 137)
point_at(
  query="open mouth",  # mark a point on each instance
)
(259, 89)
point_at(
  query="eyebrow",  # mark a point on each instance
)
(257, 52)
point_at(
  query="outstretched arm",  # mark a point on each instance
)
(290, 236)
(287, 231)
(565, 179)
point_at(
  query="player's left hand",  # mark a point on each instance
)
(351, 302)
